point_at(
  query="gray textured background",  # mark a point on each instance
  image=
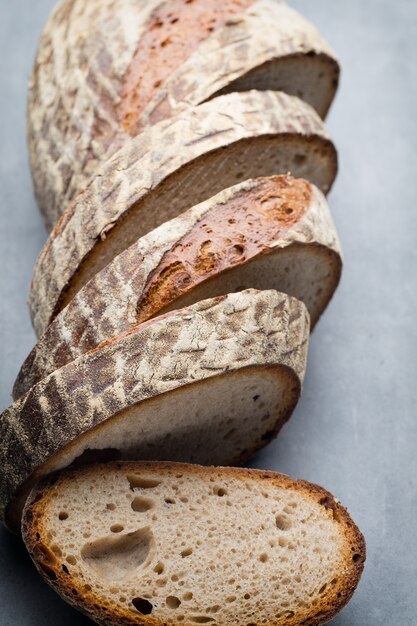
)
(355, 430)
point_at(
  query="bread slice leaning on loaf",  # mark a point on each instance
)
(210, 383)
(105, 69)
(267, 233)
(169, 168)
(167, 543)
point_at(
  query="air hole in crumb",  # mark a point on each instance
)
(356, 557)
(220, 491)
(187, 596)
(71, 560)
(325, 501)
(214, 609)
(65, 569)
(110, 506)
(118, 555)
(63, 515)
(230, 599)
(289, 210)
(139, 482)
(255, 398)
(322, 588)
(263, 558)
(283, 541)
(247, 596)
(186, 552)
(159, 568)
(116, 528)
(141, 505)
(173, 602)
(201, 619)
(239, 250)
(282, 522)
(142, 606)
(169, 501)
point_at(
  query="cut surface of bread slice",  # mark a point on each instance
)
(107, 68)
(268, 233)
(167, 543)
(166, 170)
(210, 383)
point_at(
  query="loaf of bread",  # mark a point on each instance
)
(107, 68)
(210, 383)
(180, 160)
(168, 169)
(167, 543)
(267, 233)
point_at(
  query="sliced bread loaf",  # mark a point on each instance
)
(106, 68)
(169, 168)
(210, 383)
(268, 233)
(167, 543)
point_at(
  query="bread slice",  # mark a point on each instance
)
(210, 383)
(167, 543)
(169, 168)
(268, 233)
(106, 68)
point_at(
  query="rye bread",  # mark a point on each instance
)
(166, 543)
(166, 170)
(106, 68)
(267, 233)
(210, 383)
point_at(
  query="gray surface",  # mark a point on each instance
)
(355, 430)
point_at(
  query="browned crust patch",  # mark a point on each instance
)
(234, 232)
(34, 533)
(174, 32)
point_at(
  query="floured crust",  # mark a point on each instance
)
(250, 329)
(111, 213)
(90, 59)
(258, 217)
(35, 531)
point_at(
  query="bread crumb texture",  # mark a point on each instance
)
(162, 543)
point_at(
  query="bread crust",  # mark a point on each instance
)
(34, 531)
(211, 338)
(86, 70)
(101, 218)
(252, 219)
